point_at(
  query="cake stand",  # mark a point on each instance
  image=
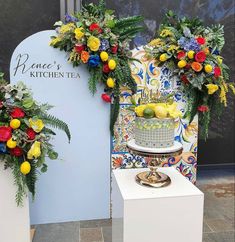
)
(153, 178)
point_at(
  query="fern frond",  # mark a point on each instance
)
(56, 123)
(127, 22)
(31, 178)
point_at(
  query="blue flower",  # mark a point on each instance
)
(191, 45)
(3, 149)
(214, 52)
(69, 18)
(94, 61)
(182, 41)
(104, 44)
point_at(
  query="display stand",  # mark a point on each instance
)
(14, 221)
(144, 214)
(153, 178)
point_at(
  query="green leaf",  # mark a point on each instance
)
(28, 103)
(52, 155)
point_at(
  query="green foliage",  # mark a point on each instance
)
(56, 123)
(31, 178)
(115, 107)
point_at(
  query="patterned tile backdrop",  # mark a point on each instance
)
(148, 75)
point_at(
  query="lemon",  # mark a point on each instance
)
(160, 112)
(112, 64)
(191, 54)
(25, 168)
(11, 143)
(182, 63)
(163, 57)
(148, 113)
(15, 123)
(104, 56)
(208, 68)
(110, 82)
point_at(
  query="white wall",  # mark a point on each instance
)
(78, 186)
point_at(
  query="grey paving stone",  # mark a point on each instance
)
(220, 225)
(60, 232)
(95, 223)
(91, 235)
(219, 237)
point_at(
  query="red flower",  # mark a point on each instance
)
(217, 71)
(79, 48)
(200, 56)
(201, 40)
(181, 55)
(105, 68)
(188, 66)
(184, 79)
(95, 27)
(31, 133)
(106, 98)
(114, 49)
(5, 133)
(203, 108)
(1, 104)
(17, 113)
(17, 151)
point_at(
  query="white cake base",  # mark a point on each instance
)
(176, 147)
(14, 221)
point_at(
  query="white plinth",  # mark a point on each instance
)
(169, 214)
(14, 221)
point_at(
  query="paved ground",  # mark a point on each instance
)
(218, 187)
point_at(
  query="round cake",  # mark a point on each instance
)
(154, 132)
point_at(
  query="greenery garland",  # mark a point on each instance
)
(192, 52)
(96, 37)
(25, 136)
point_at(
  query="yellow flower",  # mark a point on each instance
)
(36, 124)
(79, 33)
(163, 57)
(55, 41)
(112, 64)
(25, 168)
(15, 123)
(110, 82)
(139, 110)
(104, 56)
(212, 88)
(156, 42)
(223, 98)
(35, 150)
(166, 33)
(93, 43)
(66, 28)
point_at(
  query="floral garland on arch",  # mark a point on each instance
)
(25, 136)
(192, 52)
(96, 37)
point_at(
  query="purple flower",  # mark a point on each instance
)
(191, 45)
(94, 61)
(70, 18)
(104, 45)
(182, 41)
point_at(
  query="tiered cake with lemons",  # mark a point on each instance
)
(155, 124)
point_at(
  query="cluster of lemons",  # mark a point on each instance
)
(158, 110)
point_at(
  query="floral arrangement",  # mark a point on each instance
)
(25, 135)
(96, 37)
(192, 52)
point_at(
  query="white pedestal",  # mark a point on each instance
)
(170, 214)
(14, 221)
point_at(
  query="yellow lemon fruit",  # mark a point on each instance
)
(110, 82)
(191, 54)
(208, 68)
(182, 63)
(163, 57)
(104, 56)
(25, 168)
(112, 64)
(15, 123)
(11, 143)
(160, 112)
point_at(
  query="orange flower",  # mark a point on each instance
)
(206, 51)
(196, 66)
(85, 56)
